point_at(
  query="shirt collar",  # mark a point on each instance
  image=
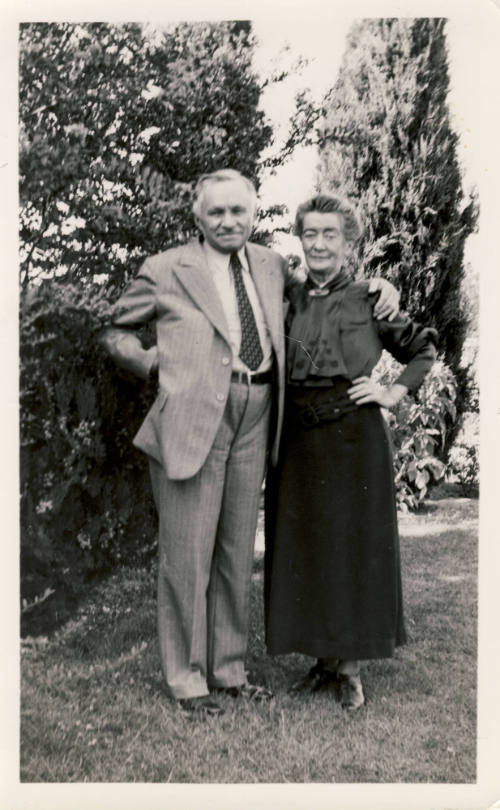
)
(220, 261)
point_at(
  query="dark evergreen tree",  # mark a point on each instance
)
(387, 141)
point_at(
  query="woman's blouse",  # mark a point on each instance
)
(335, 334)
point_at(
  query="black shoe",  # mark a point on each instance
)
(248, 691)
(202, 706)
(317, 678)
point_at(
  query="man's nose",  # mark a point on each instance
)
(227, 219)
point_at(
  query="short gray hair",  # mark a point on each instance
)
(220, 176)
(331, 204)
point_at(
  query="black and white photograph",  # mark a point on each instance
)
(251, 425)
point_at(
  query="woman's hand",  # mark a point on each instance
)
(364, 390)
(387, 305)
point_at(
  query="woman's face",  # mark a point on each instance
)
(324, 245)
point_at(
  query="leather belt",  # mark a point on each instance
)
(327, 411)
(247, 378)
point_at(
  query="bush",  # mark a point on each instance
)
(463, 462)
(418, 425)
(86, 502)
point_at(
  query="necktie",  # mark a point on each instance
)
(250, 350)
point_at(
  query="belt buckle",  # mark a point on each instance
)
(309, 417)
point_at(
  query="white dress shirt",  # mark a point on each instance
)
(218, 264)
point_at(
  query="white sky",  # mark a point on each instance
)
(323, 46)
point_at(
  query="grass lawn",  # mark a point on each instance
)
(94, 707)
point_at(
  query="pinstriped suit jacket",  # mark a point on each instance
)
(175, 288)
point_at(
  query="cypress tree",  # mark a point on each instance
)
(386, 140)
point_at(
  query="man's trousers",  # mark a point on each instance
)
(207, 528)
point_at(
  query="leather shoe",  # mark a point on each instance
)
(351, 692)
(317, 678)
(248, 691)
(202, 706)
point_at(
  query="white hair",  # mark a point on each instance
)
(221, 176)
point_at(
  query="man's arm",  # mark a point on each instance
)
(292, 276)
(387, 304)
(136, 306)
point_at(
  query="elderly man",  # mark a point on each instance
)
(218, 307)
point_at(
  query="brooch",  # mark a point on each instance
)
(318, 292)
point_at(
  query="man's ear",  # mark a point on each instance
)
(199, 225)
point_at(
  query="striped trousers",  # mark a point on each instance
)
(207, 528)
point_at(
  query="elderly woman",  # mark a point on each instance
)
(333, 583)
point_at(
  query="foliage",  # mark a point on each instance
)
(418, 427)
(387, 142)
(37, 601)
(464, 467)
(116, 124)
(463, 462)
(117, 121)
(85, 494)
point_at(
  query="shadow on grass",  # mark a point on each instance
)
(56, 610)
(64, 604)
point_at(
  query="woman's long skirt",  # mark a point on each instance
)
(333, 581)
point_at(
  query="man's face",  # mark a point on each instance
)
(324, 245)
(226, 215)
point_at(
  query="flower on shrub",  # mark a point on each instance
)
(43, 507)
(84, 541)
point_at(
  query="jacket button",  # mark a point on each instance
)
(225, 361)
(220, 397)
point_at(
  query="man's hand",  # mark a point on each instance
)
(364, 390)
(387, 305)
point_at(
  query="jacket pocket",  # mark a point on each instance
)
(354, 321)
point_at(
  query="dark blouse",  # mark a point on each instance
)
(336, 335)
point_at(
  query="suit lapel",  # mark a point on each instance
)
(193, 273)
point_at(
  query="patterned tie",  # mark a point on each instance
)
(250, 350)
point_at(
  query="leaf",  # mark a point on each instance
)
(422, 479)
(85, 401)
(412, 471)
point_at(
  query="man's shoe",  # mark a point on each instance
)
(248, 691)
(202, 706)
(317, 678)
(351, 692)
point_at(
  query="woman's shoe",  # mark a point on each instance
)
(351, 692)
(317, 678)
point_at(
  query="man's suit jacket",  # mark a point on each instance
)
(175, 288)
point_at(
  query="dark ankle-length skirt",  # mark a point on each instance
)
(332, 566)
